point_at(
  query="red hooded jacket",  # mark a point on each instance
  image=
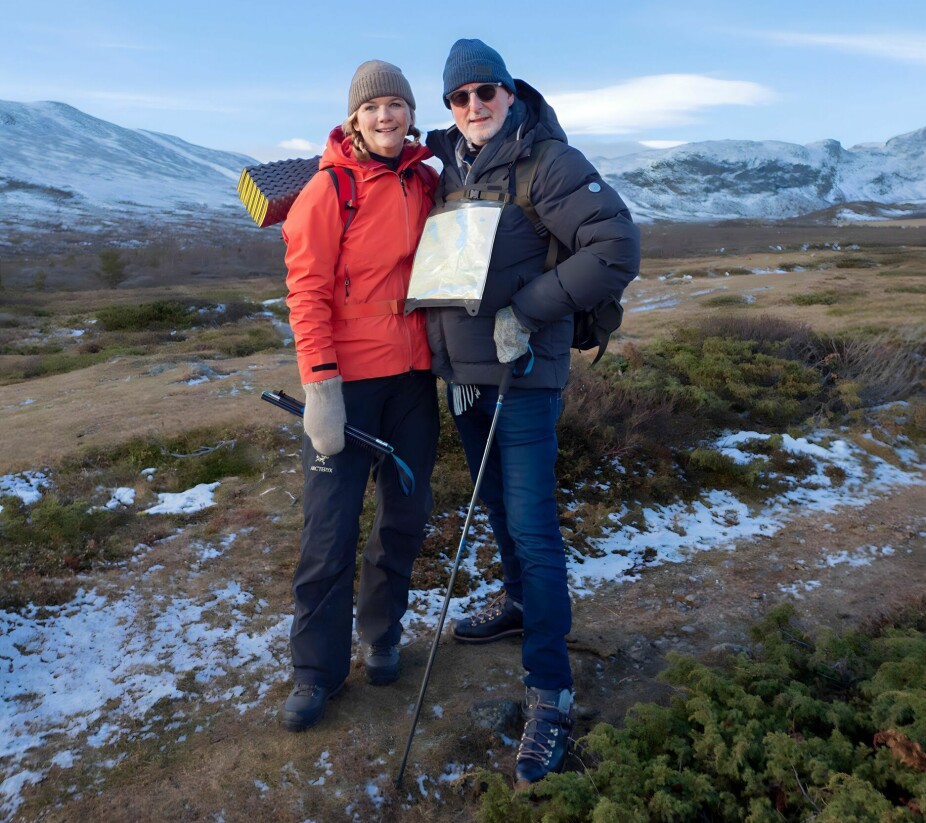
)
(347, 289)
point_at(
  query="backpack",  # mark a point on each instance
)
(270, 189)
(591, 327)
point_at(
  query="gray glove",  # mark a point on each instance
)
(324, 416)
(511, 338)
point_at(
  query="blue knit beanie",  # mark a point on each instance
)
(472, 61)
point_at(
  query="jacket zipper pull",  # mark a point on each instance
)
(346, 284)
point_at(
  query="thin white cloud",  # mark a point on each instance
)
(299, 144)
(652, 102)
(904, 48)
(662, 144)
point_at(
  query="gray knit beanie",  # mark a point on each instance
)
(472, 61)
(377, 78)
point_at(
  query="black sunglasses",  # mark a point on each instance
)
(486, 93)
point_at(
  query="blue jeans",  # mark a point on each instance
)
(517, 489)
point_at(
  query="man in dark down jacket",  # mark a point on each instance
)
(498, 121)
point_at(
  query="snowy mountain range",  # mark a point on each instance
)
(732, 179)
(63, 170)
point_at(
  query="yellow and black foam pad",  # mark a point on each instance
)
(268, 190)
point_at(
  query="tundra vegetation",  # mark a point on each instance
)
(779, 330)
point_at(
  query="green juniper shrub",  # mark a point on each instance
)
(818, 298)
(726, 300)
(723, 470)
(773, 335)
(154, 316)
(730, 378)
(167, 315)
(786, 733)
(637, 421)
(650, 404)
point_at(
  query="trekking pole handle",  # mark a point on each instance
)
(294, 407)
(506, 380)
(379, 447)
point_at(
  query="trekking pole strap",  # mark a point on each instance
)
(361, 438)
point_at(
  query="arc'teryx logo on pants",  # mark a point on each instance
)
(320, 460)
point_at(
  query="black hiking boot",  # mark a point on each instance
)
(305, 706)
(545, 742)
(503, 617)
(381, 661)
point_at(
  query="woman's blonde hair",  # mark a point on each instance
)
(350, 129)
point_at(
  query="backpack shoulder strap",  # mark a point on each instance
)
(517, 191)
(344, 179)
(428, 178)
(525, 170)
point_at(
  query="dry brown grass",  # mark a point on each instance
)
(865, 302)
(241, 767)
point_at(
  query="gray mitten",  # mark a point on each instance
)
(511, 338)
(324, 416)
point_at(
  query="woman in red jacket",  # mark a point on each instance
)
(362, 361)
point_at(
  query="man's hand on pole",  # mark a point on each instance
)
(324, 417)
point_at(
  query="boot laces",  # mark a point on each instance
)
(539, 741)
(541, 734)
(494, 609)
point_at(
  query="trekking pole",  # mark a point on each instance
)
(502, 391)
(379, 448)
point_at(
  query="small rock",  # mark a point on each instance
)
(499, 716)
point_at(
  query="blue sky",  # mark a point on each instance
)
(270, 79)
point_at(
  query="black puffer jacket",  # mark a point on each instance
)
(591, 222)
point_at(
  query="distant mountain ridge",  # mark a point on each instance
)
(64, 170)
(735, 179)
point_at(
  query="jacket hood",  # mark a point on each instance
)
(539, 116)
(531, 119)
(339, 151)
